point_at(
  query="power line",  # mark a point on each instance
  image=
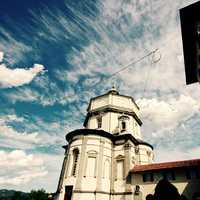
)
(132, 63)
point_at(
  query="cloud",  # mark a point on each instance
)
(48, 93)
(17, 167)
(13, 48)
(177, 153)
(11, 117)
(12, 138)
(44, 134)
(1, 56)
(159, 115)
(18, 76)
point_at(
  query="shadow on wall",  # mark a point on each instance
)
(164, 190)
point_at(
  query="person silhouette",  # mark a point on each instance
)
(164, 190)
(149, 197)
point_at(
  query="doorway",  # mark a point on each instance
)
(68, 192)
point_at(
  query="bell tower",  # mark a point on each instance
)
(99, 157)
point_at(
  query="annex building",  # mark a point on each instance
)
(109, 160)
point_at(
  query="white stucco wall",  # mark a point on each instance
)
(111, 124)
(94, 146)
(184, 186)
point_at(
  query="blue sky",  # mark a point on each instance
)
(54, 57)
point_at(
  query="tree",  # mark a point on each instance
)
(38, 195)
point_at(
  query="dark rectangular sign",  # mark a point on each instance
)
(190, 26)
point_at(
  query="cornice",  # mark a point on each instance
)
(110, 108)
(113, 138)
(110, 92)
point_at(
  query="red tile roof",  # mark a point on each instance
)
(166, 165)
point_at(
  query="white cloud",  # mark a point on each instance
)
(18, 76)
(160, 115)
(13, 48)
(17, 167)
(12, 138)
(1, 56)
(165, 155)
(11, 117)
(44, 134)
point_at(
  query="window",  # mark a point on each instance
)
(75, 161)
(137, 190)
(123, 125)
(91, 164)
(120, 169)
(168, 175)
(123, 122)
(99, 121)
(192, 173)
(148, 177)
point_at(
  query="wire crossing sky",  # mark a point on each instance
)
(56, 55)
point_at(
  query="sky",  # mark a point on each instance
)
(55, 56)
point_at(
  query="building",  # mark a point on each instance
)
(108, 160)
(184, 175)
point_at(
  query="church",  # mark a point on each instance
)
(109, 160)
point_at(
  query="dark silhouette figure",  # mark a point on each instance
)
(183, 197)
(150, 197)
(166, 191)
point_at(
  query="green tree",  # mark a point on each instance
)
(16, 196)
(38, 195)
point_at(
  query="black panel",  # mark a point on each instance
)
(68, 192)
(190, 16)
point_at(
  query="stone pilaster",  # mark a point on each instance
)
(127, 149)
(61, 180)
(100, 164)
(67, 165)
(113, 170)
(80, 171)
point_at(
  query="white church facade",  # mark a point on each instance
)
(103, 160)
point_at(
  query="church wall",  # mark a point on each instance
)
(145, 154)
(93, 147)
(119, 169)
(110, 123)
(101, 180)
(83, 196)
(100, 102)
(92, 122)
(126, 103)
(134, 157)
(90, 196)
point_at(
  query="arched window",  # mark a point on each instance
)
(99, 121)
(123, 122)
(123, 125)
(75, 161)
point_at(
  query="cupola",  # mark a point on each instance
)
(114, 113)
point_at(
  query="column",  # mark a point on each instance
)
(80, 170)
(62, 174)
(100, 166)
(113, 170)
(127, 148)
